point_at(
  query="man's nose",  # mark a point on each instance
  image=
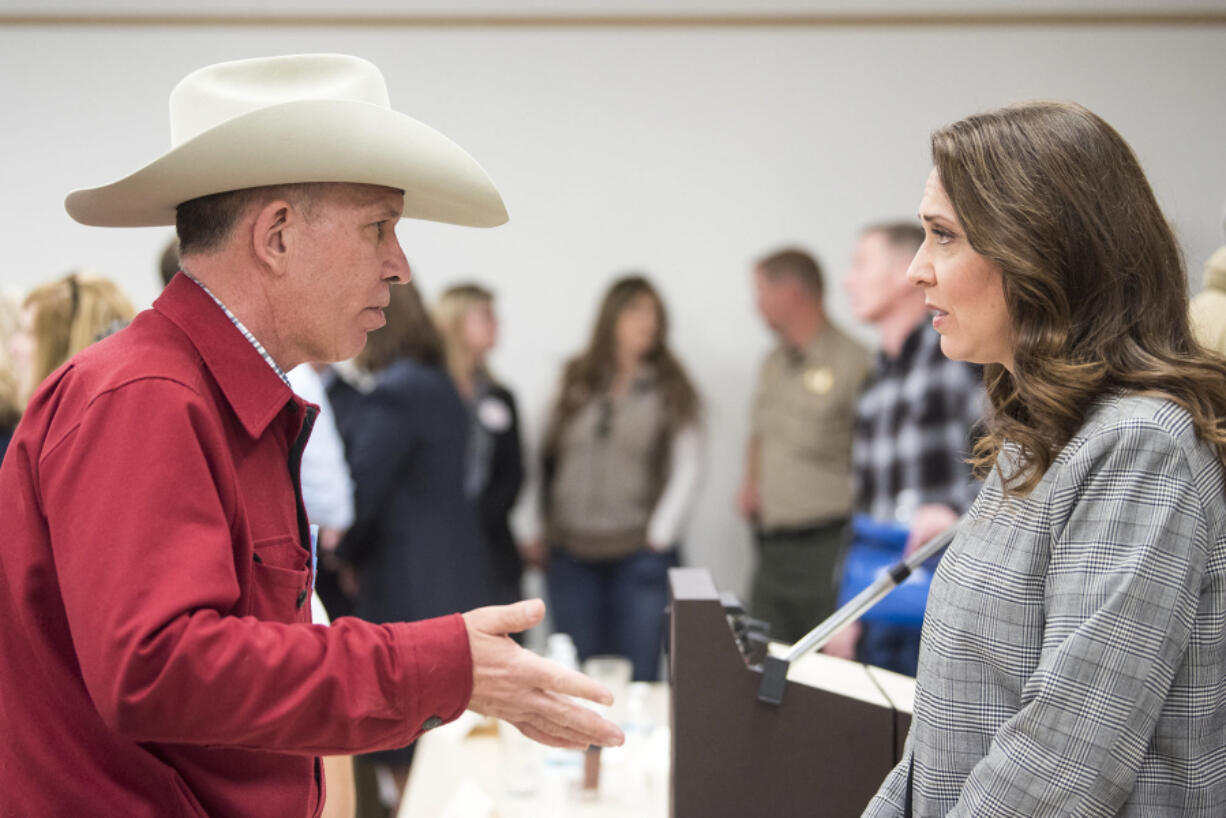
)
(396, 269)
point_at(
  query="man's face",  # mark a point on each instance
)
(876, 278)
(346, 257)
(771, 296)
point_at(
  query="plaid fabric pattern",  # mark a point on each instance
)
(239, 324)
(913, 426)
(1074, 652)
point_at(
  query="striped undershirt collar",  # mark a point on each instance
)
(239, 324)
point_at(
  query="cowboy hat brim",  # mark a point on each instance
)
(303, 141)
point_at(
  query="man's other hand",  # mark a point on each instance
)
(748, 500)
(843, 643)
(519, 687)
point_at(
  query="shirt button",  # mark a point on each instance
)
(431, 723)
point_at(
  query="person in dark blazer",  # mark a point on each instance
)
(414, 548)
(494, 466)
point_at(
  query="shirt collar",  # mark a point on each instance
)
(246, 332)
(921, 337)
(252, 383)
(797, 356)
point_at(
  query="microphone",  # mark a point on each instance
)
(775, 668)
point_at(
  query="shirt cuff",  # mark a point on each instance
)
(440, 672)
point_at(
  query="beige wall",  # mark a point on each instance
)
(681, 151)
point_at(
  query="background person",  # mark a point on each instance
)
(1075, 639)
(327, 486)
(168, 261)
(914, 423)
(1209, 306)
(10, 402)
(61, 318)
(493, 466)
(414, 546)
(797, 489)
(622, 461)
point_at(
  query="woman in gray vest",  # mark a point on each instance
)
(621, 466)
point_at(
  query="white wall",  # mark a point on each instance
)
(684, 152)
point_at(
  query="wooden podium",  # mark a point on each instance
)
(823, 752)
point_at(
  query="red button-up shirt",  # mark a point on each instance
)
(155, 655)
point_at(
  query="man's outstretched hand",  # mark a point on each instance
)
(517, 686)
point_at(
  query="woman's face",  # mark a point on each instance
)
(480, 329)
(637, 326)
(961, 288)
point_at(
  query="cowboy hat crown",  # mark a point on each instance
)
(299, 118)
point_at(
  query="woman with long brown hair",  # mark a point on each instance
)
(621, 458)
(1074, 646)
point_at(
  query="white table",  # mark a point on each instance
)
(466, 769)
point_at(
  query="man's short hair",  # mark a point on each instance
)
(905, 237)
(203, 224)
(794, 263)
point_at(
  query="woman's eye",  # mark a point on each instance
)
(943, 236)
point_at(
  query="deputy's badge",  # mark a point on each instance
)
(819, 380)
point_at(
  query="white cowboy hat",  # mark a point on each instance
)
(300, 118)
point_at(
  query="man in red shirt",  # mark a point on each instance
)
(157, 656)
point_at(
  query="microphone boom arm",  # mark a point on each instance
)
(775, 669)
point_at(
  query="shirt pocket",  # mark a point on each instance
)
(280, 581)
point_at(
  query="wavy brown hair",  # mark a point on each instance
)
(590, 373)
(1093, 279)
(408, 333)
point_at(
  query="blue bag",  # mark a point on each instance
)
(875, 548)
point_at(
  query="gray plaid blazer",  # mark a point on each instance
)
(1073, 660)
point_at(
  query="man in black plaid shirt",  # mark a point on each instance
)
(913, 423)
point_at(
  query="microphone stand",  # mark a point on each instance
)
(775, 669)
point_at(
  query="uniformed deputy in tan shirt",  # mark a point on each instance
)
(797, 491)
(803, 417)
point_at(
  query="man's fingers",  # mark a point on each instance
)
(566, 718)
(524, 615)
(501, 619)
(571, 738)
(557, 679)
(546, 738)
(563, 731)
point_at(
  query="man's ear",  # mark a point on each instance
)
(272, 234)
